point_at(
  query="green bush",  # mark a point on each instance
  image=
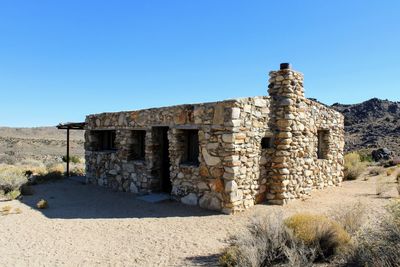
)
(73, 159)
(353, 167)
(365, 155)
(14, 194)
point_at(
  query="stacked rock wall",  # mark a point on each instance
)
(251, 150)
(297, 167)
(208, 184)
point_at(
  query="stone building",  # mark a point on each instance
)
(225, 156)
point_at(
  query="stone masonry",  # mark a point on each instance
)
(268, 149)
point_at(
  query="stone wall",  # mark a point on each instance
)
(234, 170)
(203, 184)
(296, 168)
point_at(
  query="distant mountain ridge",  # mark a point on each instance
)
(374, 123)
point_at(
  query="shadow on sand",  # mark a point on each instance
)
(69, 199)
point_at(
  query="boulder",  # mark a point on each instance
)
(190, 199)
(381, 154)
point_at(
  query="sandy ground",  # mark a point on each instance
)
(87, 225)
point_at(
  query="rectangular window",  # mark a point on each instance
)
(191, 147)
(323, 141)
(266, 143)
(104, 140)
(138, 146)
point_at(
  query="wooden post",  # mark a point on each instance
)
(67, 152)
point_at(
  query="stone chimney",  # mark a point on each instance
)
(287, 94)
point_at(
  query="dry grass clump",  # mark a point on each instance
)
(11, 179)
(267, 242)
(318, 230)
(383, 186)
(42, 204)
(78, 170)
(53, 172)
(300, 240)
(375, 171)
(6, 210)
(73, 159)
(390, 171)
(379, 246)
(351, 218)
(398, 188)
(353, 167)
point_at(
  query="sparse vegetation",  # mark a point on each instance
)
(375, 171)
(300, 240)
(6, 210)
(351, 218)
(11, 179)
(73, 159)
(267, 242)
(365, 155)
(78, 171)
(353, 167)
(379, 246)
(390, 171)
(319, 231)
(383, 186)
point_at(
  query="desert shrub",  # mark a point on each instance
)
(390, 171)
(353, 167)
(267, 242)
(375, 171)
(319, 231)
(42, 204)
(73, 159)
(365, 155)
(383, 186)
(54, 172)
(14, 194)
(379, 246)
(11, 179)
(36, 170)
(78, 171)
(7, 159)
(351, 218)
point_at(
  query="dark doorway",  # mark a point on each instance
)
(162, 162)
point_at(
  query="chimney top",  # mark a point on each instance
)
(285, 66)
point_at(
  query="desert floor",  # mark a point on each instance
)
(86, 225)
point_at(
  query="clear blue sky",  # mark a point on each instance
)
(61, 60)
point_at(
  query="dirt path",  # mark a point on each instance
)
(91, 226)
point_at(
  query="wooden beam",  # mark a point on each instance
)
(67, 152)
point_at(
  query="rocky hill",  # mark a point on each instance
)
(41, 143)
(372, 124)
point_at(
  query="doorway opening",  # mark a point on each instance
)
(162, 162)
